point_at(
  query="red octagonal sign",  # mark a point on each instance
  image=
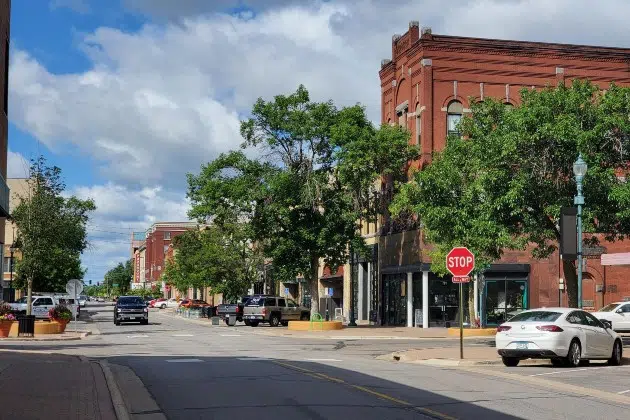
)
(460, 262)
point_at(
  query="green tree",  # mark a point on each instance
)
(305, 198)
(118, 279)
(503, 184)
(51, 232)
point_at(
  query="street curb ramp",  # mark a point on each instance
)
(130, 398)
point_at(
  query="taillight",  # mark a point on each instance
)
(238, 309)
(264, 311)
(502, 328)
(549, 328)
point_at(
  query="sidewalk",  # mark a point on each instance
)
(68, 335)
(51, 386)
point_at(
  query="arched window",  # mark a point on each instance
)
(454, 113)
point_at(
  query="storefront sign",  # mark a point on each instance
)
(136, 272)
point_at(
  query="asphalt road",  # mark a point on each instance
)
(201, 372)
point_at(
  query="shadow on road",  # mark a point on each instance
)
(212, 387)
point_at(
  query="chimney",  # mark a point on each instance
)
(414, 31)
(426, 33)
(395, 39)
(385, 62)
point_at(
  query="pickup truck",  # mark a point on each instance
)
(43, 303)
(275, 310)
(131, 309)
(233, 309)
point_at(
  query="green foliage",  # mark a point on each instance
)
(305, 200)
(502, 186)
(118, 279)
(219, 257)
(51, 231)
(60, 313)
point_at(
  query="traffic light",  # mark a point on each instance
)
(90, 282)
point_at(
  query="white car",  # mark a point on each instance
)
(617, 313)
(564, 335)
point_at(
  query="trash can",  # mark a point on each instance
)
(26, 325)
(231, 319)
(216, 320)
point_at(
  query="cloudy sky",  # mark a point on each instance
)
(127, 96)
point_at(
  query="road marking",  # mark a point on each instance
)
(230, 335)
(386, 397)
(184, 360)
(323, 360)
(137, 336)
(183, 335)
(624, 392)
(249, 359)
(579, 370)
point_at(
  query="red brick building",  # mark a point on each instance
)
(426, 86)
(158, 238)
(6, 290)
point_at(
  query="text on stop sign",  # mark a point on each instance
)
(455, 262)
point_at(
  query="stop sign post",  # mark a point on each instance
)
(460, 262)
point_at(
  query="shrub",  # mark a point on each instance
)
(60, 313)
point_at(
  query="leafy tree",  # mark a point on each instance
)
(304, 200)
(503, 184)
(51, 232)
(118, 279)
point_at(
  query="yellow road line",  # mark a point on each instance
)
(380, 395)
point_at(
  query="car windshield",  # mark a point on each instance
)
(536, 316)
(609, 308)
(130, 300)
(21, 300)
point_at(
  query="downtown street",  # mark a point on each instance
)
(192, 370)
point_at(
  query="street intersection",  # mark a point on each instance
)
(201, 371)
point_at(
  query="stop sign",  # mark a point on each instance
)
(460, 262)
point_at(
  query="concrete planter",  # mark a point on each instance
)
(6, 328)
(315, 325)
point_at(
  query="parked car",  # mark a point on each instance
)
(275, 310)
(43, 303)
(83, 300)
(158, 303)
(565, 335)
(194, 303)
(131, 309)
(617, 313)
(234, 309)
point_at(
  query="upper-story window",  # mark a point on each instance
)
(418, 127)
(454, 113)
(167, 236)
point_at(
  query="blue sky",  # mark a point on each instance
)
(127, 96)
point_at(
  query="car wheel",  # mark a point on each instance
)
(617, 354)
(574, 356)
(247, 322)
(510, 361)
(274, 321)
(304, 317)
(162, 306)
(557, 362)
(144, 322)
(253, 323)
(116, 322)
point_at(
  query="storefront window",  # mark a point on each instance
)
(504, 298)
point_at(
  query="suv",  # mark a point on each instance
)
(131, 308)
(275, 310)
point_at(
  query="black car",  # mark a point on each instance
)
(131, 309)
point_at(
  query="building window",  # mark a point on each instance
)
(165, 249)
(167, 236)
(418, 129)
(7, 263)
(454, 113)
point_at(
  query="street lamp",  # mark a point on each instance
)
(579, 169)
(11, 292)
(352, 322)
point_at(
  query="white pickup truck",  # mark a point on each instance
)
(43, 303)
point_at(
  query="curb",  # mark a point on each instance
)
(114, 392)
(478, 362)
(79, 336)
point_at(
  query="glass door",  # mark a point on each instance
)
(444, 303)
(395, 304)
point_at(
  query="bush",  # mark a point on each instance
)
(6, 313)
(60, 313)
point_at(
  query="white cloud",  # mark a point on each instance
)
(17, 165)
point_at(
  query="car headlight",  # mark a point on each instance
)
(146, 309)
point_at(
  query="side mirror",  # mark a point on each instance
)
(619, 311)
(607, 324)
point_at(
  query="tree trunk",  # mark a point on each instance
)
(29, 296)
(471, 303)
(570, 281)
(313, 283)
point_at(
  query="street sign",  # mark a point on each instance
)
(74, 287)
(460, 262)
(286, 291)
(329, 291)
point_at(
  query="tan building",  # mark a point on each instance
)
(5, 18)
(19, 188)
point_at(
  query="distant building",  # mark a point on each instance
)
(19, 188)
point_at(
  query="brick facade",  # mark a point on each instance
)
(430, 74)
(158, 239)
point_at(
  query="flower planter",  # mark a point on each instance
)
(6, 327)
(63, 323)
